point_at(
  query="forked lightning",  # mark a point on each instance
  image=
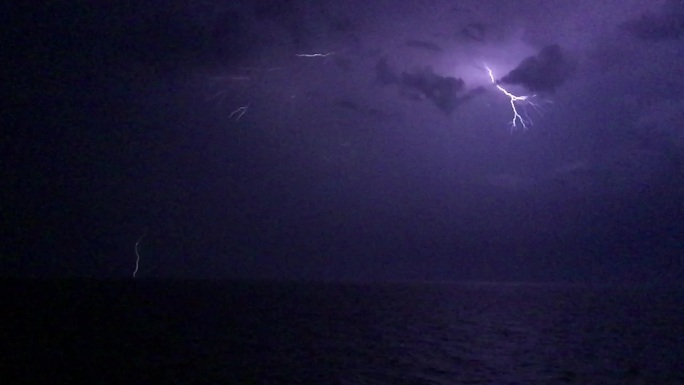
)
(517, 118)
(239, 112)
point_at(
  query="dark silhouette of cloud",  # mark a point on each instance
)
(441, 90)
(445, 92)
(543, 72)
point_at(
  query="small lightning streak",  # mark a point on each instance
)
(315, 54)
(137, 255)
(239, 112)
(514, 99)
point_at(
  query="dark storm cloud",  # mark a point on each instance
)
(445, 92)
(319, 151)
(424, 45)
(656, 27)
(441, 90)
(543, 72)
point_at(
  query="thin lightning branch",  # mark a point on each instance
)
(514, 100)
(137, 255)
(239, 112)
(315, 54)
(220, 95)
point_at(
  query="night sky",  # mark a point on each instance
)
(389, 157)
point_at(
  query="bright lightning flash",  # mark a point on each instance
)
(517, 118)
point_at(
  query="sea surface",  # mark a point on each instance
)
(212, 332)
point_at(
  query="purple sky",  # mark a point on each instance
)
(333, 173)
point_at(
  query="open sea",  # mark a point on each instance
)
(211, 332)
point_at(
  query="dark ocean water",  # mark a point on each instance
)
(155, 332)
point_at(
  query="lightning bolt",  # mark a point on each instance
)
(137, 255)
(315, 54)
(517, 118)
(239, 112)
